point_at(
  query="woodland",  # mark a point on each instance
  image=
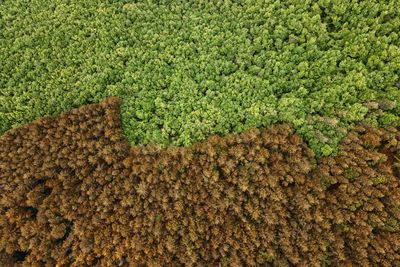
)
(200, 133)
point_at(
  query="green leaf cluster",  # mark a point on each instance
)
(189, 69)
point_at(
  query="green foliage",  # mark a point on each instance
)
(326, 259)
(355, 205)
(389, 224)
(382, 159)
(392, 225)
(188, 69)
(379, 179)
(351, 174)
(327, 181)
(267, 257)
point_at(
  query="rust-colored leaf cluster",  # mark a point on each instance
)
(72, 192)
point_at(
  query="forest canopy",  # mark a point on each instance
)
(188, 69)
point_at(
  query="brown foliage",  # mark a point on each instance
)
(72, 192)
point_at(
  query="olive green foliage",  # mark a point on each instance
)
(188, 69)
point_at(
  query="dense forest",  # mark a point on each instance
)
(200, 133)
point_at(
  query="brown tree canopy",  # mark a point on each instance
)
(72, 192)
